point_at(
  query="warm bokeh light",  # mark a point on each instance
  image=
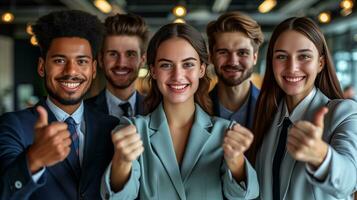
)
(179, 11)
(266, 6)
(143, 72)
(324, 17)
(179, 20)
(103, 6)
(29, 29)
(345, 12)
(346, 4)
(33, 41)
(7, 17)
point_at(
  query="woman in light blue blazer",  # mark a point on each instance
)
(305, 134)
(178, 151)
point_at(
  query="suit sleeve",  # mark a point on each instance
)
(130, 189)
(243, 190)
(341, 180)
(16, 178)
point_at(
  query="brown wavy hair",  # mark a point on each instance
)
(235, 22)
(271, 94)
(195, 38)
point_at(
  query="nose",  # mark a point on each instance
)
(71, 67)
(121, 60)
(293, 64)
(177, 72)
(233, 58)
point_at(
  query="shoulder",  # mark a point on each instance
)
(255, 91)
(340, 109)
(20, 117)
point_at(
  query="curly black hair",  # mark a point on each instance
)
(69, 23)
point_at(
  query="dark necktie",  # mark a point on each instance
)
(278, 157)
(73, 156)
(126, 108)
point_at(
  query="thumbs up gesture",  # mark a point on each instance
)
(51, 142)
(305, 142)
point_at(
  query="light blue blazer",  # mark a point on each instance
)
(340, 132)
(203, 173)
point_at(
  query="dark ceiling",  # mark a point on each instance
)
(158, 12)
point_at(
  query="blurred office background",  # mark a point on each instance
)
(20, 86)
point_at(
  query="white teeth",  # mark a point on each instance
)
(121, 72)
(70, 85)
(294, 79)
(178, 87)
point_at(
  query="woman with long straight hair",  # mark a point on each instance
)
(305, 143)
(183, 152)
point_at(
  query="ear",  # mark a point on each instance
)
(322, 63)
(41, 67)
(255, 58)
(202, 70)
(94, 69)
(152, 72)
(142, 60)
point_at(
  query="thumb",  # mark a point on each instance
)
(320, 116)
(42, 117)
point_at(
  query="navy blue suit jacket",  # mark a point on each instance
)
(59, 181)
(99, 103)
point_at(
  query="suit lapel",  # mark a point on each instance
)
(289, 162)
(139, 104)
(196, 142)
(162, 144)
(101, 102)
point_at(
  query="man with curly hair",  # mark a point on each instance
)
(59, 148)
(122, 55)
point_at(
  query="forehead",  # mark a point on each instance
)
(122, 42)
(232, 40)
(176, 49)
(292, 41)
(70, 46)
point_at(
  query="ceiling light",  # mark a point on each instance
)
(346, 4)
(7, 17)
(324, 17)
(266, 6)
(180, 20)
(103, 6)
(179, 11)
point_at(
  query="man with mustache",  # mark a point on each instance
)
(122, 54)
(59, 148)
(234, 40)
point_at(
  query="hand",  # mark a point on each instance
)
(235, 143)
(305, 142)
(127, 144)
(51, 142)
(128, 147)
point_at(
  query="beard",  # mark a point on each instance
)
(132, 77)
(246, 73)
(58, 98)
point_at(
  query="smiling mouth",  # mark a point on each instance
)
(121, 72)
(178, 87)
(70, 85)
(293, 79)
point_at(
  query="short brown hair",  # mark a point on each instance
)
(235, 22)
(128, 24)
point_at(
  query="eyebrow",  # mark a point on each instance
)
(167, 60)
(300, 51)
(63, 56)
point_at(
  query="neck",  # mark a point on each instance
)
(69, 109)
(122, 94)
(180, 115)
(233, 97)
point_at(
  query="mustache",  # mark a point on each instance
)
(234, 67)
(70, 78)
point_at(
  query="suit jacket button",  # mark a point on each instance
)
(18, 184)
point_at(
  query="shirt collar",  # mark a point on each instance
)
(113, 100)
(298, 111)
(62, 115)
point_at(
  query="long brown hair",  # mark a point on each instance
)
(271, 94)
(195, 38)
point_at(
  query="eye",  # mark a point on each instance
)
(304, 57)
(131, 54)
(59, 60)
(82, 62)
(112, 54)
(222, 52)
(281, 57)
(165, 65)
(243, 53)
(188, 64)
